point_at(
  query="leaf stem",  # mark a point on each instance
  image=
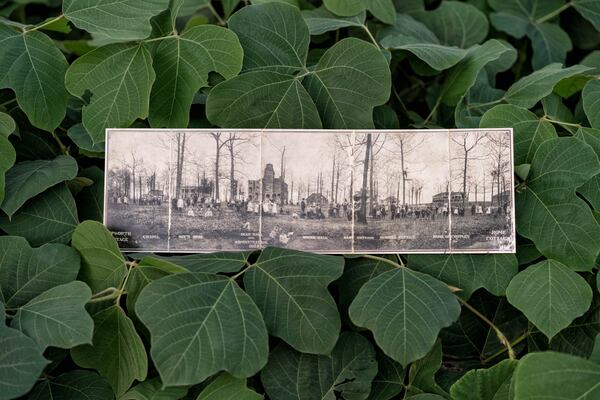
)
(123, 285)
(481, 105)
(366, 29)
(242, 272)
(433, 110)
(61, 145)
(554, 13)
(111, 293)
(44, 24)
(501, 337)
(216, 14)
(553, 121)
(383, 259)
(502, 351)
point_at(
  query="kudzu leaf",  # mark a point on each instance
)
(382, 9)
(57, 317)
(222, 327)
(349, 371)
(103, 265)
(556, 376)
(8, 157)
(117, 352)
(27, 272)
(550, 43)
(550, 295)
(405, 310)
(152, 389)
(227, 387)
(421, 375)
(182, 64)
(119, 77)
(469, 272)
(590, 10)
(7, 124)
(463, 75)
(90, 201)
(595, 356)
(290, 289)
(485, 384)
(591, 189)
(50, 217)
(559, 223)
(527, 91)
(389, 381)
(529, 130)
(413, 36)
(21, 361)
(73, 385)
(27, 179)
(80, 136)
(114, 21)
(32, 66)
(219, 262)
(591, 102)
(476, 102)
(321, 20)
(456, 24)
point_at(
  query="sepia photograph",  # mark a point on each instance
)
(482, 205)
(306, 190)
(400, 191)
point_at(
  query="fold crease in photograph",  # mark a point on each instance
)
(323, 191)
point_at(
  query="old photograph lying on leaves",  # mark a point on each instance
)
(329, 191)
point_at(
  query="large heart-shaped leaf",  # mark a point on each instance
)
(7, 124)
(469, 272)
(30, 178)
(550, 295)
(559, 223)
(114, 21)
(73, 385)
(120, 78)
(556, 376)
(349, 370)
(529, 130)
(382, 9)
(321, 20)
(182, 64)
(32, 66)
(21, 361)
(485, 384)
(25, 272)
(57, 317)
(103, 265)
(290, 289)
(117, 352)
(405, 310)
(590, 10)
(222, 327)
(227, 387)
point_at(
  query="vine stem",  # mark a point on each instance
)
(505, 342)
(216, 14)
(553, 121)
(40, 26)
(123, 285)
(513, 343)
(554, 13)
(366, 29)
(106, 294)
(242, 272)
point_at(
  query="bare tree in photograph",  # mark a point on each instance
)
(466, 143)
(362, 215)
(499, 153)
(220, 142)
(407, 143)
(233, 143)
(180, 138)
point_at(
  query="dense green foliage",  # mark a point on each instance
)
(83, 321)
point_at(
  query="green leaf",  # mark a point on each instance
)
(591, 189)
(413, 36)
(405, 310)
(382, 9)
(120, 78)
(591, 102)
(469, 272)
(80, 136)
(26, 272)
(220, 262)
(57, 317)
(21, 361)
(90, 201)
(49, 217)
(8, 157)
(7, 124)
(73, 385)
(463, 75)
(349, 371)
(456, 24)
(590, 10)
(182, 64)
(551, 44)
(559, 223)
(595, 356)
(321, 20)
(527, 91)
(227, 387)
(117, 352)
(389, 381)
(32, 66)
(556, 376)
(529, 130)
(550, 295)
(27, 179)
(223, 314)
(152, 389)
(290, 289)
(103, 265)
(485, 384)
(115, 21)
(421, 375)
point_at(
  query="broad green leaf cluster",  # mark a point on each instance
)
(81, 320)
